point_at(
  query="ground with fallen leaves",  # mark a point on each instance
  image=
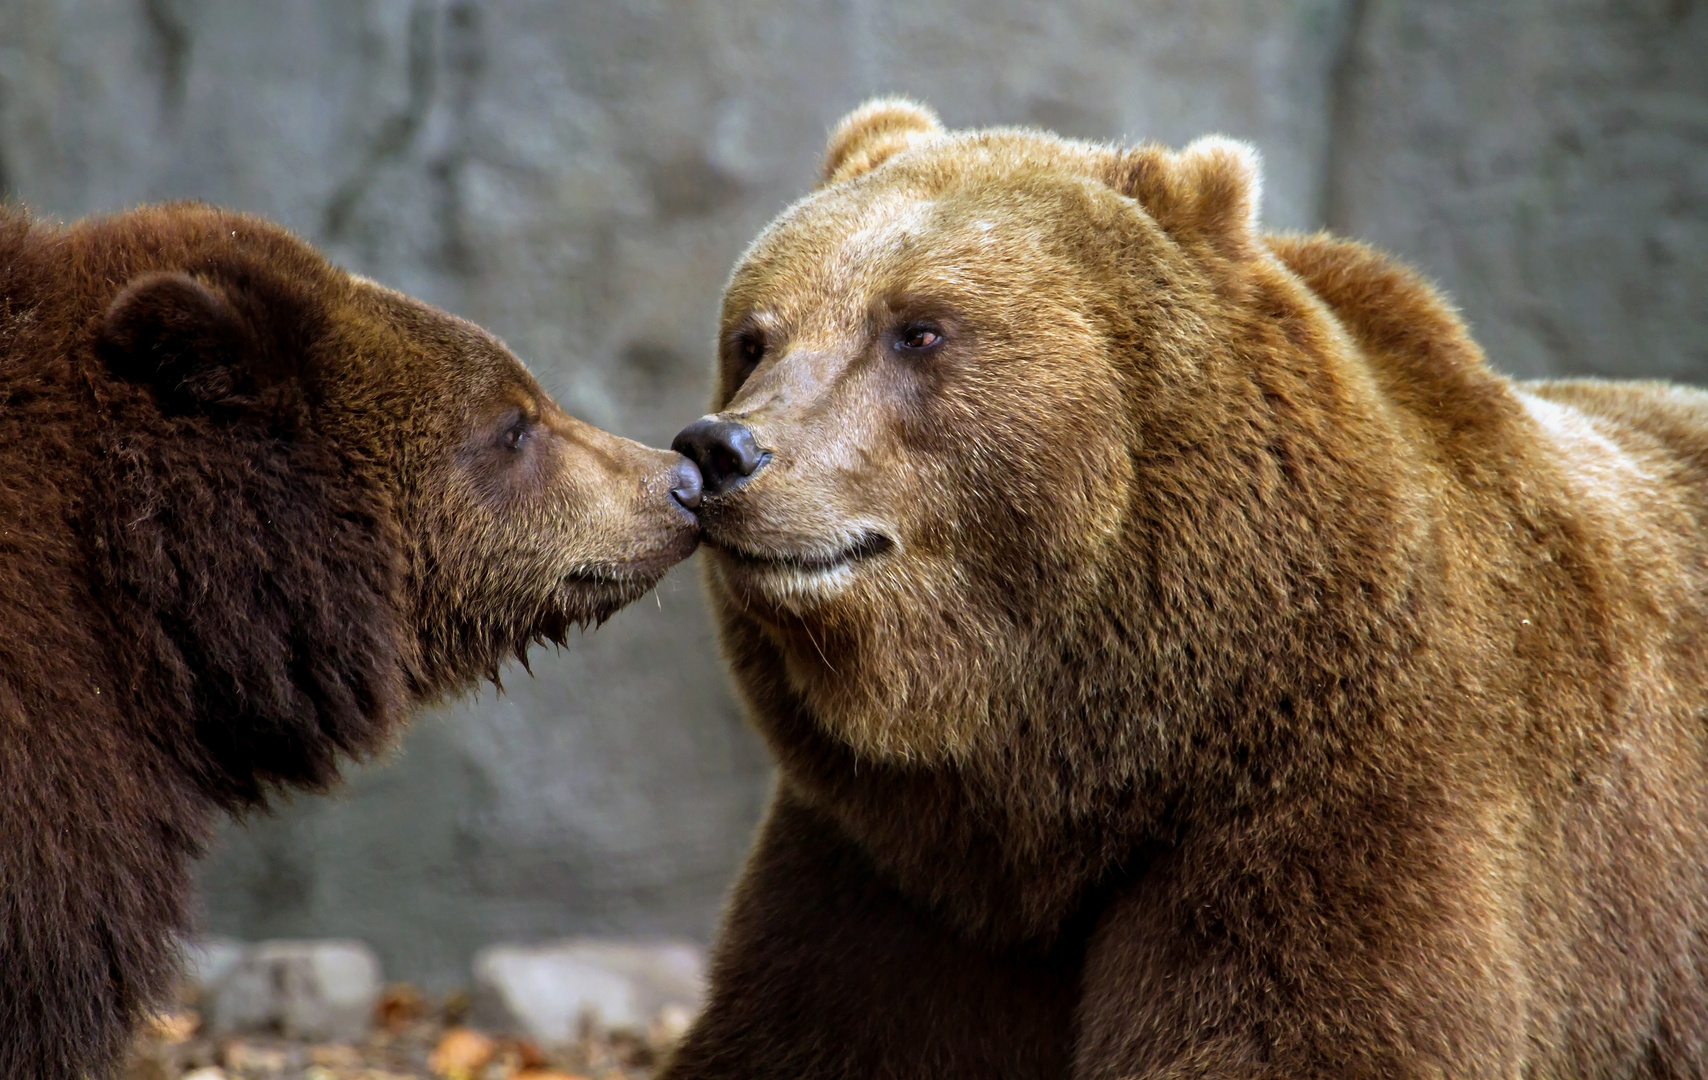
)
(412, 1038)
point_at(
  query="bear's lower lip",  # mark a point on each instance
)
(594, 594)
(642, 572)
(598, 590)
(870, 545)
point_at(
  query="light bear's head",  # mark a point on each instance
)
(980, 402)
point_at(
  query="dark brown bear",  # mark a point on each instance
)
(1184, 656)
(253, 510)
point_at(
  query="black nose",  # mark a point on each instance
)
(725, 451)
(685, 484)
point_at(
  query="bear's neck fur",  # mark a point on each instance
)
(1269, 661)
(246, 582)
(194, 611)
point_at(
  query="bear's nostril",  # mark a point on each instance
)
(726, 452)
(685, 484)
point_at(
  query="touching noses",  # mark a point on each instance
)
(725, 451)
(685, 484)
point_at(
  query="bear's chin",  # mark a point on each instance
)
(579, 600)
(781, 587)
(895, 684)
(588, 600)
(587, 597)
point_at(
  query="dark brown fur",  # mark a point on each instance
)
(252, 511)
(1253, 683)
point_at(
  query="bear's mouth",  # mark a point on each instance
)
(589, 597)
(595, 591)
(644, 568)
(643, 571)
(869, 545)
(620, 579)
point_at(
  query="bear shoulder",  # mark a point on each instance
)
(1412, 341)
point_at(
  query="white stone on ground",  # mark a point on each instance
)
(317, 989)
(544, 991)
(208, 961)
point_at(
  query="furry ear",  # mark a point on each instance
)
(1207, 193)
(871, 134)
(184, 340)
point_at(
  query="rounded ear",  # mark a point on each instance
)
(170, 332)
(1206, 193)
(871, 134)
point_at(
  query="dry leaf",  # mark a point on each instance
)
(400, 1005)
(461, 1053)
(528, 1054)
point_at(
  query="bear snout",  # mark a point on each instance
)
(726, 452)
(686, 484)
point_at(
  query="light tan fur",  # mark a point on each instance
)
(1183, 655)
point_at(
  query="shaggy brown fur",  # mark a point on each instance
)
(1184, 656)
(252, 511)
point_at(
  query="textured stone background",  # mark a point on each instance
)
(579, 177)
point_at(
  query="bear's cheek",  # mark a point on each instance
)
(492, 484)
(571, 510)
(1040, 469)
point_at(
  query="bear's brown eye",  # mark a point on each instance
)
(516, 431)
(919, 337)
(751, 349)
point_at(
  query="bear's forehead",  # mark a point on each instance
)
(859, 244)
(885, 233)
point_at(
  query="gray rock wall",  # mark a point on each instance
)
(1547, 162)
(580, 176)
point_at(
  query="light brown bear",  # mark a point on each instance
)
(253, 511)
(1183, 654)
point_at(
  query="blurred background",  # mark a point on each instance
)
(580, 176)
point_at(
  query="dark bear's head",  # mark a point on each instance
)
(321, 501)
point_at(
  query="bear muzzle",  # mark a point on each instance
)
(726, 452)
(687, 485)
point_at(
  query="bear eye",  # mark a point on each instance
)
(516, 431)
(919, 337)
(750, 347)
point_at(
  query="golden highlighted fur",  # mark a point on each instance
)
(1183, 654)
